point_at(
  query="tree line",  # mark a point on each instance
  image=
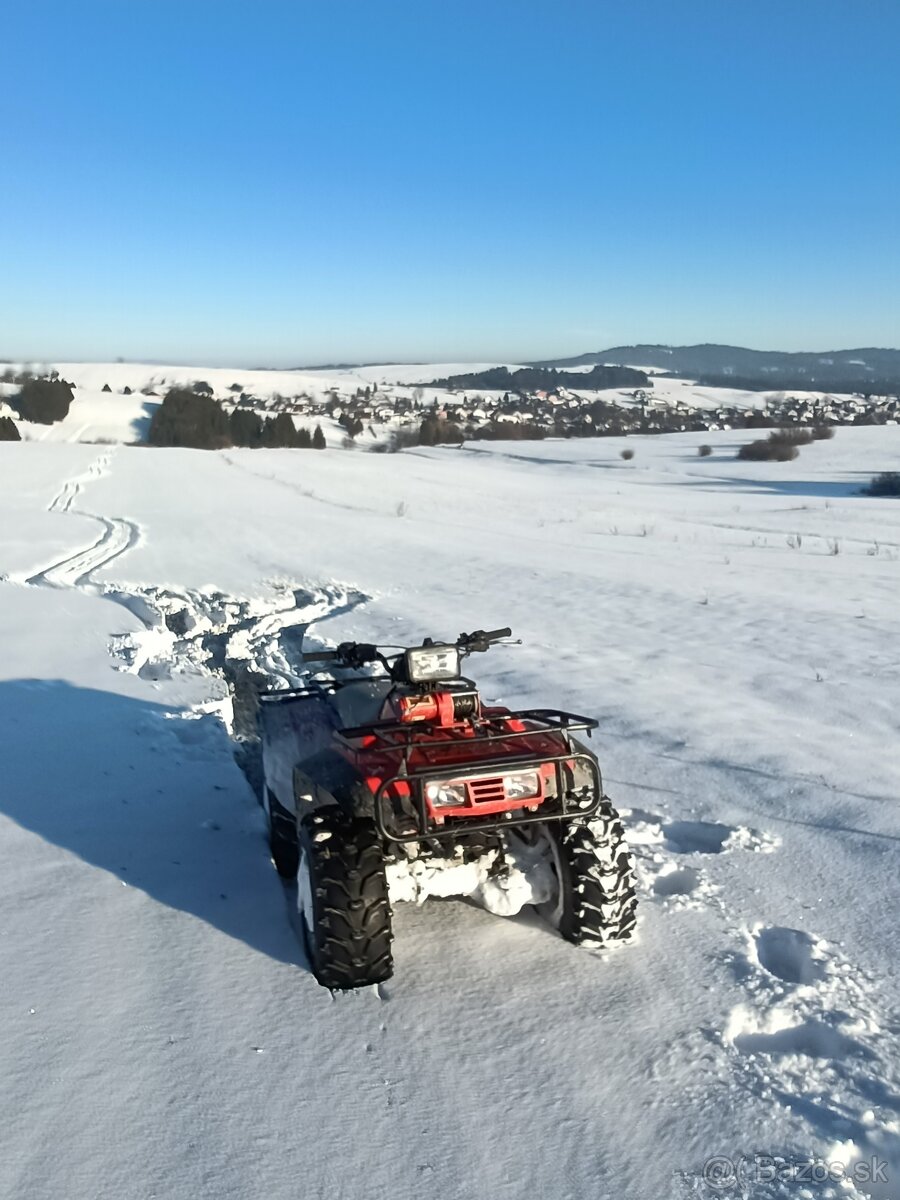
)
(189, 418)
(532, 379)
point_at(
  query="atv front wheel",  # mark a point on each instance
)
(342, 896)
(595, 902)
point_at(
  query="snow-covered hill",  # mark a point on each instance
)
(734, 628)
(99, 416)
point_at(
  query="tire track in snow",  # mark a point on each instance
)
(190, 630)
(117, 535)
(193, 630)
(244, 643)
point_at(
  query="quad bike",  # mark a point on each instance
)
(402, 783)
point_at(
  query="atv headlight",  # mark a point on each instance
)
(428, 663)
(446, 795)
(522, 786)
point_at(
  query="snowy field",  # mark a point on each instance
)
(734, 627)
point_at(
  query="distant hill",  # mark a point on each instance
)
(501, 379)
(864, 370)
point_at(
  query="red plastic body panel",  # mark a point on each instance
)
(446, 749)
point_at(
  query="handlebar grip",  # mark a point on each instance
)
(491, 634)
(321, 656)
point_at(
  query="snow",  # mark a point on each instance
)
(527, 880)
(734, 628)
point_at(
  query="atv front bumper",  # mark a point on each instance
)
(403, 812)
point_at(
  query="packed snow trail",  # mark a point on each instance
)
(188, 629)
(246, 642)
(117, 535)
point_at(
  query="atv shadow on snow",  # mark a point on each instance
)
(148, 793)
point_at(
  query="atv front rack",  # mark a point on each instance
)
(405, 739)
(565, 805)
(395, 734)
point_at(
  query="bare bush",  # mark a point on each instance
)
(403, 439)
(628, 455)
(705, 451)
(792, 435)
(780, 446)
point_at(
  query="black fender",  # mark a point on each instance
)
(326, 779)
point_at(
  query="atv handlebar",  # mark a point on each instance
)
(349, 654)
(359, 654)
(481, 640)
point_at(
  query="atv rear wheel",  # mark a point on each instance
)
(282, 838)
(595, 903)
(342, 896)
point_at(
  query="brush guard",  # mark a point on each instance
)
(565, 804)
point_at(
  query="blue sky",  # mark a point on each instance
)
(285, 183)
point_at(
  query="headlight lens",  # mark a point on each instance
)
(446, 795)
(428, 663)
(522, 786)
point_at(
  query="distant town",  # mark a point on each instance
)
(567, 413)
(177, 409)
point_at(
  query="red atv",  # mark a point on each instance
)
(402, 784)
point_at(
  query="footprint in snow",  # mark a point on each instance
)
(696, 837)
(790, 955)
(693, 837)
(677, 881)
(663, 877)
(655, 839)
(809, 1037)
(712, 837)
(781, 1035)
